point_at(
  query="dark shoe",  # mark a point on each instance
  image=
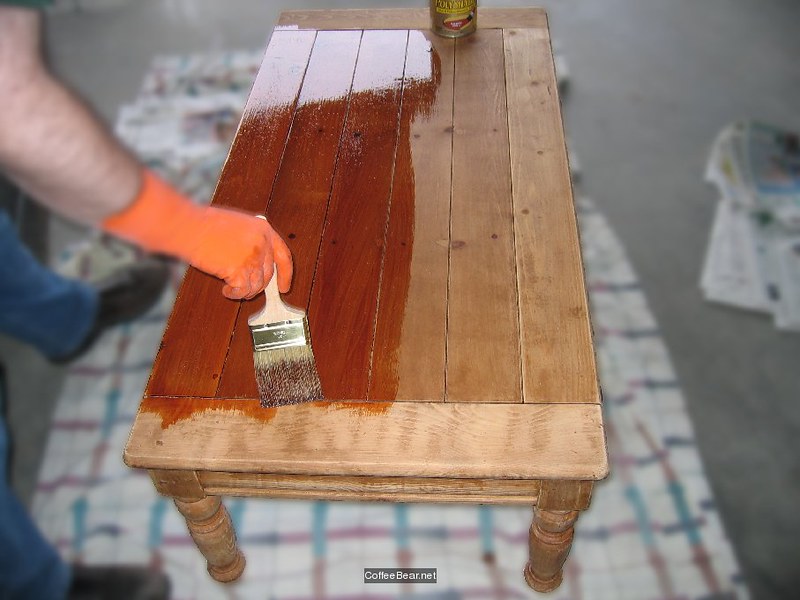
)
(123, 296)
(117, 583)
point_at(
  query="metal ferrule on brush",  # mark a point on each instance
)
(284, 334)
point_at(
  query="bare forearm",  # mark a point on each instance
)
(51, 144)
(53, 147)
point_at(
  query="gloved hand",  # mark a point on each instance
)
(234, 246)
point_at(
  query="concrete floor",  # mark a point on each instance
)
(652, 82)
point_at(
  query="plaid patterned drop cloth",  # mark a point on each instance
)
(652, 531)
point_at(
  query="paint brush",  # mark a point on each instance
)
(284, 362)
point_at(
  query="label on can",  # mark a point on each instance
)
(454, 17)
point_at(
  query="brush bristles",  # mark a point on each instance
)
(287, 376)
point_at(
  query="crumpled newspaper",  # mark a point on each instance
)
(753, 256)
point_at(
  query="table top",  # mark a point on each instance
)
(422, 184)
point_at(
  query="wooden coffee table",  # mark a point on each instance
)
(423, 186)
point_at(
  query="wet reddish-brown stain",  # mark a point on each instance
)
(238, 376)
(323, 160)
(361, 408)
(190, 351)
(175, 410)
(421, 80)
(196, 340)
(345, 292)
(300, 194)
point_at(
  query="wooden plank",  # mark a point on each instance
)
(302, 189)
(345, 290)
(409, 353)
(249, 171)
(393, 439)
(404, 18)
(558, 360)
(196, 339)
(392, 489)
(483, 322)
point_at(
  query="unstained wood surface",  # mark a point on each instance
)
(422, 185)
(393, 439)
(404, 18)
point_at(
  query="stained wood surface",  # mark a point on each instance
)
(418, 439)
(409, 356)
(345, 293)
(195, 343)
(299, 199)
(422, 184)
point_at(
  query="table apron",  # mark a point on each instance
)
(390, 489)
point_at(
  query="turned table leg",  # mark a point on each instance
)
(550, 541)
(211, 529)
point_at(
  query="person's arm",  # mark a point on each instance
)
(55, 149)
(51, 145)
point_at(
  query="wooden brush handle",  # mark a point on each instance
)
(275, 310)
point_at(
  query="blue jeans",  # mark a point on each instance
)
(30, 568)
(54, 315)
(37, 306)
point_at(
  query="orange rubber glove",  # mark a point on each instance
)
(234, 246)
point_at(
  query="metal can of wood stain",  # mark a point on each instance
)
(454, 18)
